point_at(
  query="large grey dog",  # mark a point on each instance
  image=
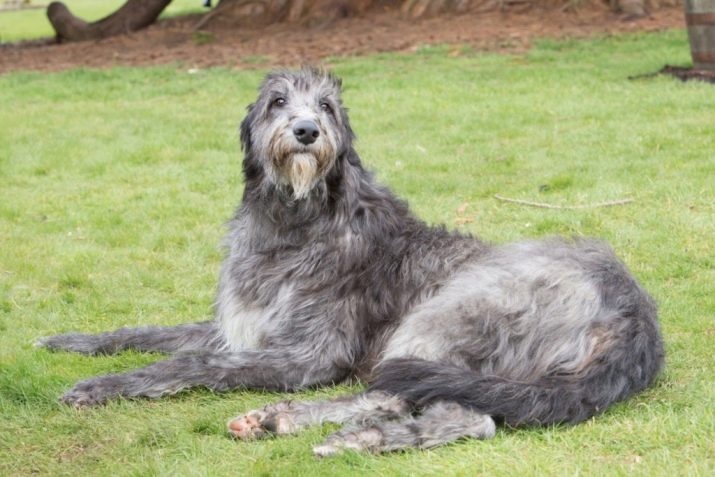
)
(328, 276)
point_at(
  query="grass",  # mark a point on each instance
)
(115, 185)
(30, 24)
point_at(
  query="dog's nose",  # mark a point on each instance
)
(306, 132)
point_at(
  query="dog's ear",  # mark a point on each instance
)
(352, 157)
(246, 129)
(252, 170)
(348, 136)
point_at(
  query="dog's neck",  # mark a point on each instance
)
(347, 193)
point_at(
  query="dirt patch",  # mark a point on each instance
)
(174, 40)
(681, 73)
(687, 74)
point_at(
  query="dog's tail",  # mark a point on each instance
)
(549, 400)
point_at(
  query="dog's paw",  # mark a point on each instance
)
(248, 426)
(76, 342)
(272, 419)
(87, 393)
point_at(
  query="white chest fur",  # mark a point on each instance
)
(245, 325)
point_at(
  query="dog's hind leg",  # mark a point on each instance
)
(202, 336)
(287, 417)
(438, 424)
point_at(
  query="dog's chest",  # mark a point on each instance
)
(264, 292)
(245, 324)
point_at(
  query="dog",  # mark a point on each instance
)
(328, 276)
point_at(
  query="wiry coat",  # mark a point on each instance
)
(328, 275)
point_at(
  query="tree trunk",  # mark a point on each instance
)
(422, 8)
(133, 15)
(630, 9)
(262, 12)
(137, 14)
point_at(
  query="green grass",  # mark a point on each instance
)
(115, 185)
(29, 24)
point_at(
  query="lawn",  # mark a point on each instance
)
(116, 185)
(29, 24)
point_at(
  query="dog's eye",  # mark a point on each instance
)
(325, 107)
(279, 102)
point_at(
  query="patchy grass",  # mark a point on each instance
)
(115, 185)
(30, 24)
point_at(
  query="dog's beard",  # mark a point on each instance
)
(301, 173)
(298, 169)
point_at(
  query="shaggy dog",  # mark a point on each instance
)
(327, 275)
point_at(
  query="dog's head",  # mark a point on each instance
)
(297, 129)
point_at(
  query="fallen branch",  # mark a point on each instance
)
(551, 206)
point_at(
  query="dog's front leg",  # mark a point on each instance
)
(203, 336)
(273, 370)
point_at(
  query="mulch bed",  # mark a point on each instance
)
(174, 41)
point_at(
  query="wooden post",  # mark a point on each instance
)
(700, 17)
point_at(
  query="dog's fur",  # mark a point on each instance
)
(327, 275)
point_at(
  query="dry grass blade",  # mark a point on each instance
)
(543, 205)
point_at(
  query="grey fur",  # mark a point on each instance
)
(288, 417)
(379, 422)
(327, 275)
(437, 424)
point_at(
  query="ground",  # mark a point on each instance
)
(173, 40)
